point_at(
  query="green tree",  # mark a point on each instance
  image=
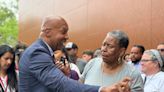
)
(8, 23)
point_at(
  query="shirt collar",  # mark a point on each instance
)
(49, 48)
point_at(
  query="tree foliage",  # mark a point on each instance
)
(8, 24)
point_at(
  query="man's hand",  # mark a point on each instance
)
(122, 86)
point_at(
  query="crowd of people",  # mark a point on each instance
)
(49, 65)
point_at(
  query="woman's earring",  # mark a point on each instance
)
(119, 60)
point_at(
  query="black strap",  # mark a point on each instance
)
(144, 80)
(1, 89)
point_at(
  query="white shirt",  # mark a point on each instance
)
(75, 68)
(4, 84)
(155, 83)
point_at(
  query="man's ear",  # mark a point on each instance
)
(47, 32)
(42, 28)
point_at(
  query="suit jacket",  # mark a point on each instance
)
(38, 73)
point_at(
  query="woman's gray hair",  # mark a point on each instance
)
(155, 56)
(122, 38)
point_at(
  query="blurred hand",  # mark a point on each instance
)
(64, 68)
(122, 86)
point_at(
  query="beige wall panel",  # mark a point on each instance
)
(157, 22)
(90, 20)
(77, 20)
(132, 16)
(75, 13)
(63, 7)
(31, 13)
(29, 30)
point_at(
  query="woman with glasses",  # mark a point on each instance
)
(151, 64)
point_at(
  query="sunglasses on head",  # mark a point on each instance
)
(68, 49)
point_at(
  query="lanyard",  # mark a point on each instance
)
(3, 86)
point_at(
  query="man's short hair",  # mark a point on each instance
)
(88, 52)
(142, 48)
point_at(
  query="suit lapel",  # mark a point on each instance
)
(41, 42)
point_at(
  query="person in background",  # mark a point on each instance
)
(8, 76)
(62, 58)
(136, 55)
(72, 50)
(160, 48)
(151, 64)
(87, 55)
(19, 49)
(97, 53)
(37, 71)
(110, 67)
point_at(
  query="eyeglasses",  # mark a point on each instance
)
(161, 50)
(146, 60)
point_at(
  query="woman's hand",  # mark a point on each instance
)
(122, 86)
(65, 68)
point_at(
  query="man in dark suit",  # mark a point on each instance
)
(38, 72)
